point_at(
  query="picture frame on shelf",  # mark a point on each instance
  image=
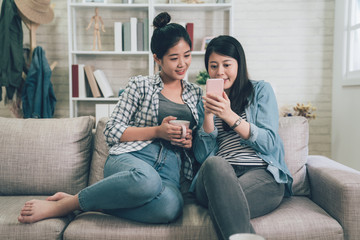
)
(205, 42)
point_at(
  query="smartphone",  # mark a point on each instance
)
(215, 86)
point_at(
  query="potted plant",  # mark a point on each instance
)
(202, 77)
(306, 111)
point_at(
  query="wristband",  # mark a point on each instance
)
(237, 123)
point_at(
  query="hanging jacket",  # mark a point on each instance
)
(11, 48)
(38, 95)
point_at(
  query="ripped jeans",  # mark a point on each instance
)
(142, 186)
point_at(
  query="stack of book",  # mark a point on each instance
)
(131, 36)
(88, 82)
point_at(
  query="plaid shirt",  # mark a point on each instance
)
(138, 106)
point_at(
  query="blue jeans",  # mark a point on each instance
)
(233, 198)
(141, 186)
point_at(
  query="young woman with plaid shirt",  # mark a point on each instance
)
(147, 159)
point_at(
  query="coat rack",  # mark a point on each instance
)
(32, 26)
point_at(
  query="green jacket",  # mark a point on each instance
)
(11, 48)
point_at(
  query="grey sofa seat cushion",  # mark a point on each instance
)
(10, 228)
(195, 223)
(44, 156)
(298, 218)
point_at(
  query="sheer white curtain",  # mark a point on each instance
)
(354, 36)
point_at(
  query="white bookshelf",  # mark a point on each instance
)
(209, 18)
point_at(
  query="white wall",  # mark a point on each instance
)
(346, 107)
(288, 43)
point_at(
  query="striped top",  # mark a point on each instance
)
(231, 149)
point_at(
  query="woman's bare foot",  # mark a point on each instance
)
(58, 196)
(36, 210)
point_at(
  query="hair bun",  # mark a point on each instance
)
(161, 20)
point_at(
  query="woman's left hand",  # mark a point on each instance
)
(218, 105)
(183, 142)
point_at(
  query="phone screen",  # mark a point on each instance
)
(215, 86)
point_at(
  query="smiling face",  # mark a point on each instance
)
(175, 62)
(225, 67)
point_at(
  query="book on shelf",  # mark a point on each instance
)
(146, 34)
(75, 80)
(126, 36)
(140, 36)
(118, 36)
(103, 83)
(89, 73)
(82, 82)
(133, 36)
(190, 30)
(78, 80)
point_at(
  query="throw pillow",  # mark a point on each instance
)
(44, 156)
(294, 131)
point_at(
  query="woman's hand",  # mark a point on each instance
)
(183, 142)
(173, 133)
(218, 105)
(167, 131)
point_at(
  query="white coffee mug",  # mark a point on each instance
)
(246, 236)
(184, 124)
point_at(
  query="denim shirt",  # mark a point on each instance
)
(262, 114)
(38, 96)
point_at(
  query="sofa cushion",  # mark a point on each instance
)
(43, 156)
(195, 223)
(298, 218)
(10, 228)
(101, 151)
(295, 218)
(294, 131)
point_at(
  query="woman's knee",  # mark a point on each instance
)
(171, 203)
(215, 166)
(134, 175)
(147, 184)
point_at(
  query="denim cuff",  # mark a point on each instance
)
(81, 200)
(254, 131)
(212, 134)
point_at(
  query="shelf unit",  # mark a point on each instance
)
(209, 18)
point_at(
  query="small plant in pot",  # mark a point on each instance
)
(202, 77)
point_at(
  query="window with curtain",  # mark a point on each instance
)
(353, 40)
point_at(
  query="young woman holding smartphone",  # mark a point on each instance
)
(247, 177)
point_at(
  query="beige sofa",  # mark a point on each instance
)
(41, 157)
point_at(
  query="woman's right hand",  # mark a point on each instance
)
(168, 131)
(218, 105)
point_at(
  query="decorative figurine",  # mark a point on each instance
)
(97, 22)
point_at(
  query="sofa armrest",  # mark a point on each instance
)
(336, 188)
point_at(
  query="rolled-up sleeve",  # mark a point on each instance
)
(122, 114)
(204, 144)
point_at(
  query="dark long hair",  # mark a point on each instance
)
(166, 35)
(241, 92)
